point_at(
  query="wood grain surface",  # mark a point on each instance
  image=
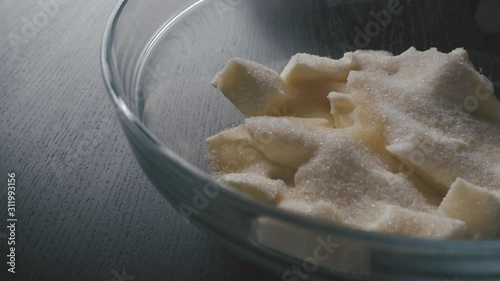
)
(85, 210)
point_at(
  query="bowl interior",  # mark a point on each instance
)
(177, 103)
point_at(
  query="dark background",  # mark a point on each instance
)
(85, 209)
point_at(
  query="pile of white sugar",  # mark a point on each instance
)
(402, 144)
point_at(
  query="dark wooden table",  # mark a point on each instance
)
(85, 209)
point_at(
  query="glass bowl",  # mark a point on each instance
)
(158, 59)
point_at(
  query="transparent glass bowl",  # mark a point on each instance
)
(158, 59)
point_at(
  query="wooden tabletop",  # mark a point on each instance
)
(84, 208)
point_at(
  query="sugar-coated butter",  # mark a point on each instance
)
(404, 145)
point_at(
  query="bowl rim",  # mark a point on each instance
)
(460, 247)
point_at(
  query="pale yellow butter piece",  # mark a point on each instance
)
(484, 103)
(235, 151)
(346, 173)
(259, 187)
(415, 160)
(311, 78)
(232, 151)
(306, 67)
(396, 220)
(439, 115)
(474, 205)
(254, 89)
(306, 245)
(289, 142)
(342, 107)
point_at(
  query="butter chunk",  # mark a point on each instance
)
(235, 151)
(438, 114)
(342, 107)
(303, 244)
(232, 151)
(306, 67)
(417, 161)
(254, 89)
(484, 103)
(397, 220)
(286, 141)
(311, 78)
(474, 205)
(349, 175)
(259, 187)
